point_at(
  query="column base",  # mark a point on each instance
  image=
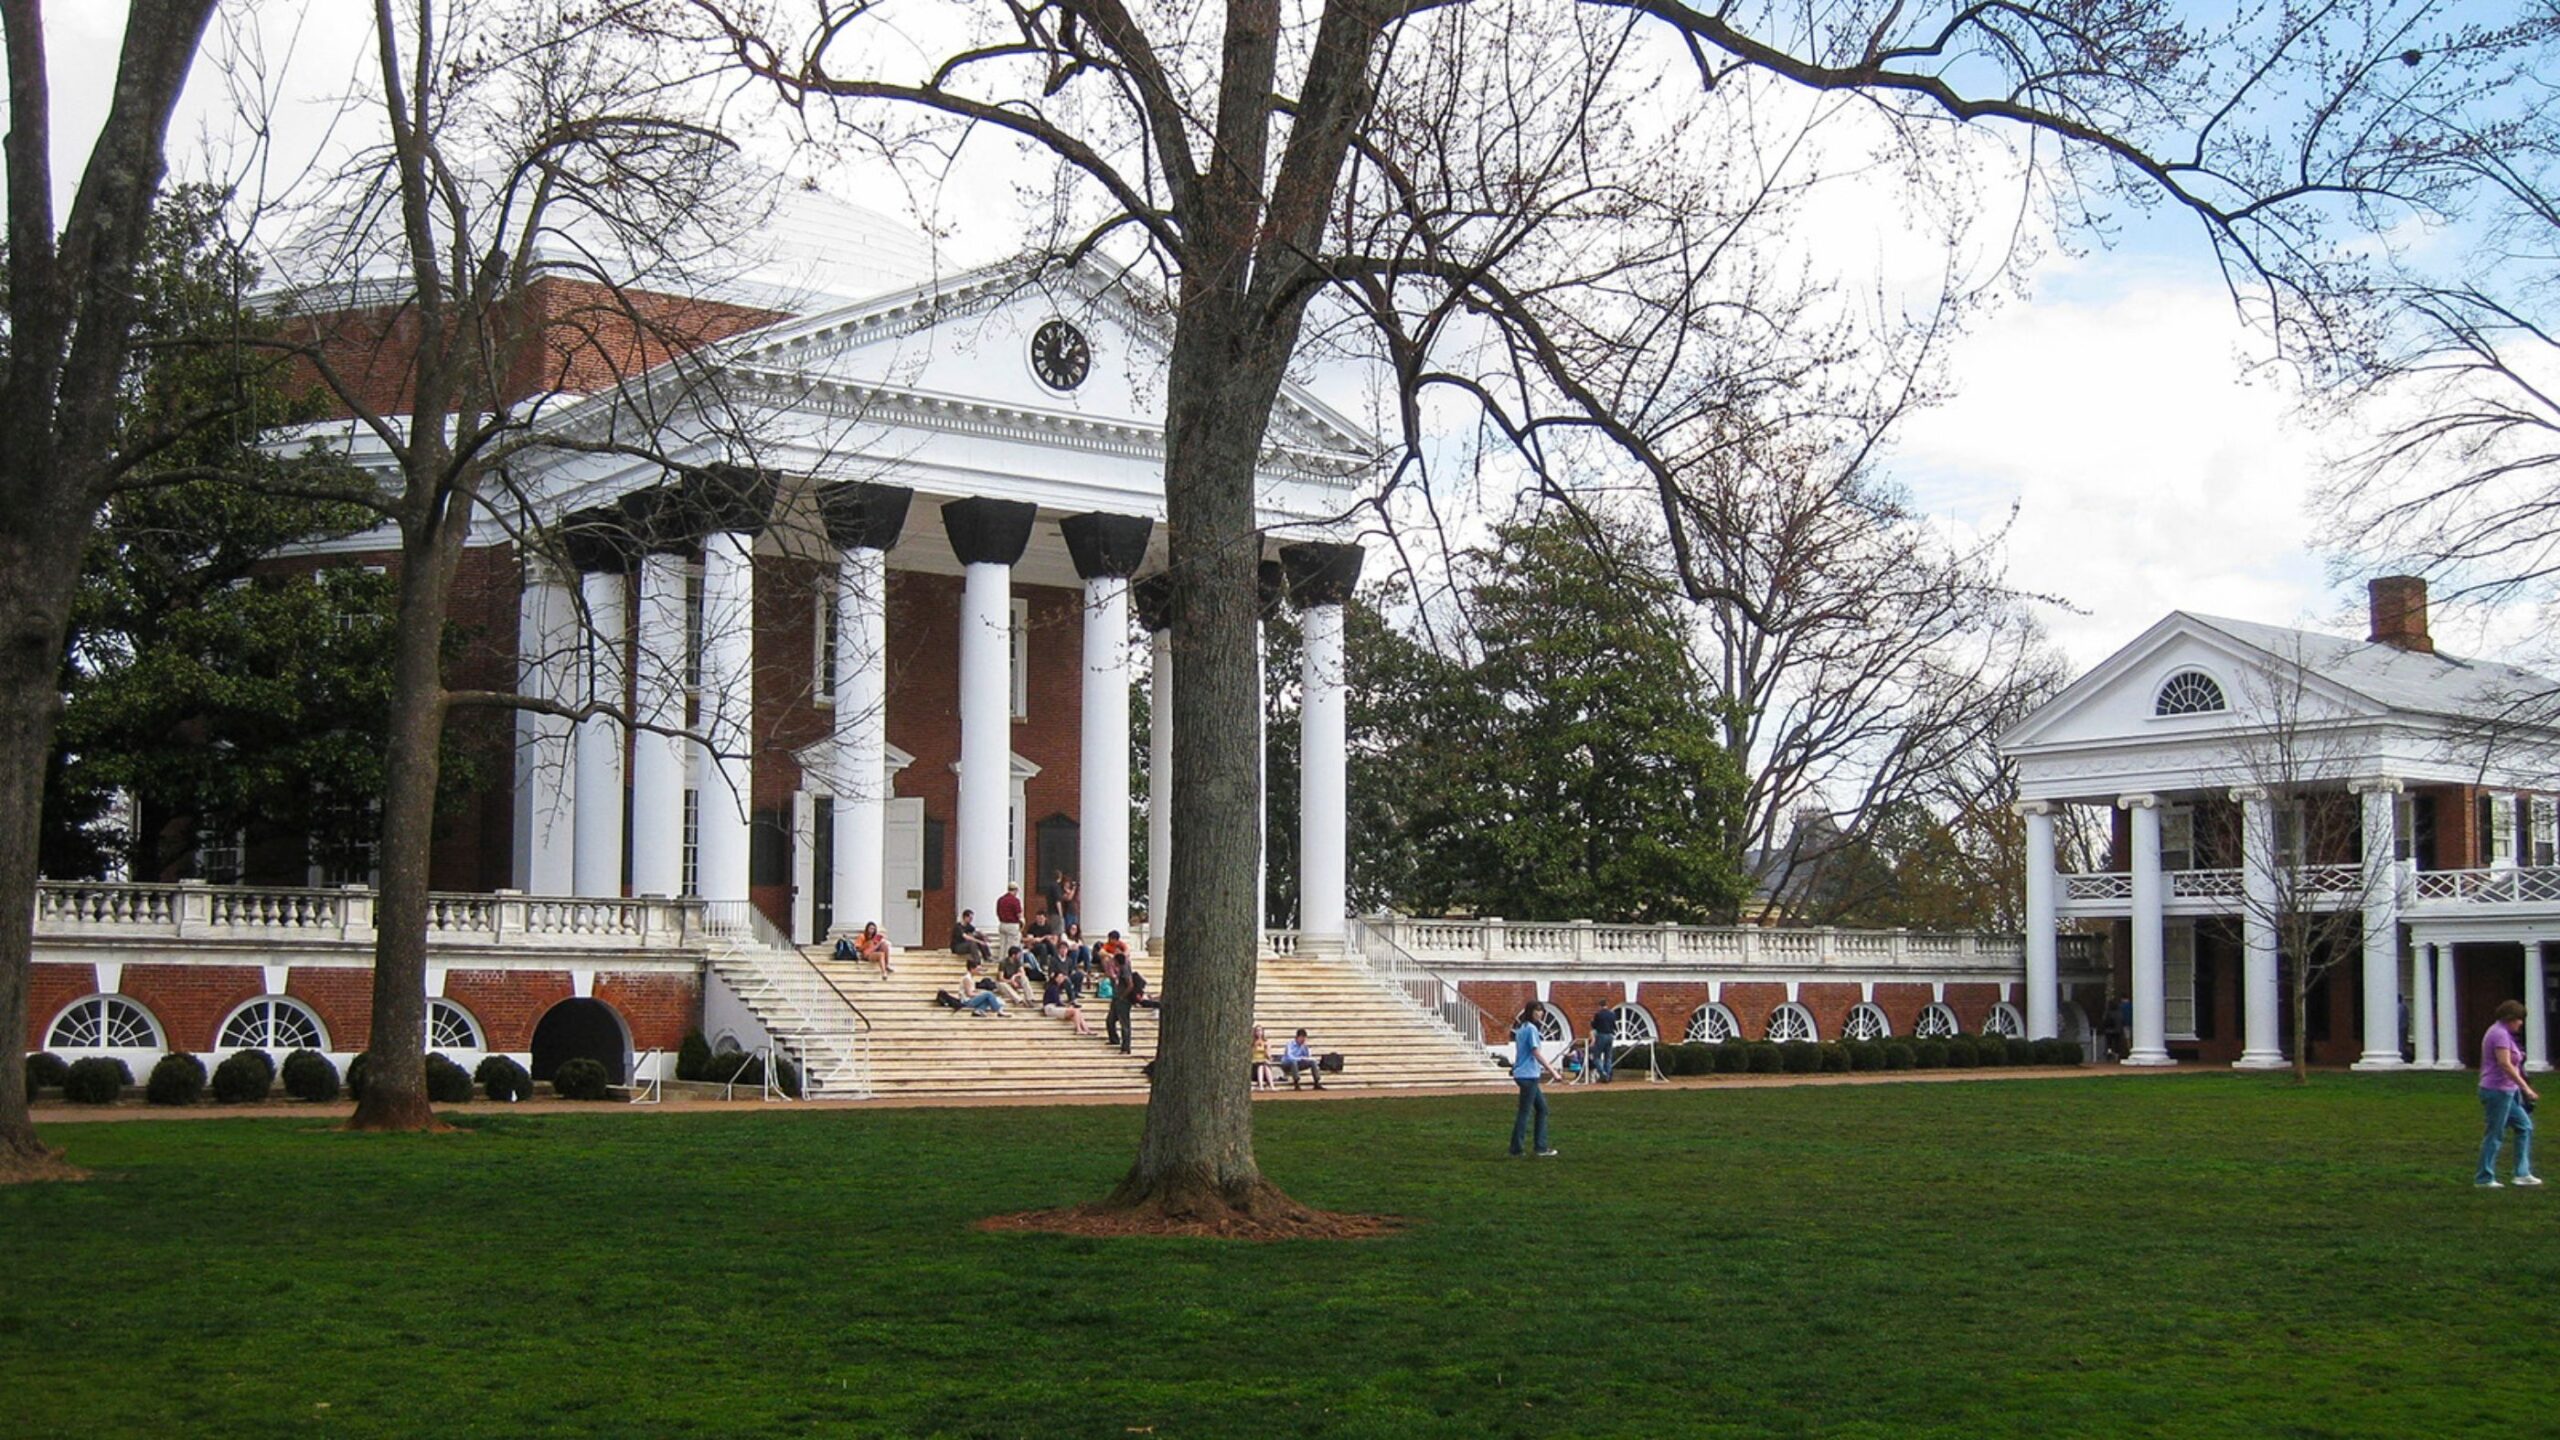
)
(2442, 1065)
(2381, 1062)
(2537, 1067)
(2154, 1060)
(2262, 1060)
(1322, 947)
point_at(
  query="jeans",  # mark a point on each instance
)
(1533, 1097)
(1295, 1068)
(985, 1000)
(2501, 1108)
(1115, 1025)
(1604, 1059)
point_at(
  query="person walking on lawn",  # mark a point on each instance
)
(1528, 1067)
(2505, 1099)
(1604, 1044)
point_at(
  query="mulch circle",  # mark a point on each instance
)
(1106, 1222)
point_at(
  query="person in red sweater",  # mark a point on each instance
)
(1009, 916)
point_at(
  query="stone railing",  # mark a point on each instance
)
(1465, 943)
(2336, 884)
(2515, 885)
(190, 911)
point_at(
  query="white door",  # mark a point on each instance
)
(903, 885)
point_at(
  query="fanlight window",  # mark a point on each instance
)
(1866, 1022)
(273, 1022)
(2189, 692)
(2004, 1022)
(104, 1022)
(1937, 1022)
(1713, 1025)
(1555, 1027)
(1635, 1027)
(450, 1027)
(1792, 1022)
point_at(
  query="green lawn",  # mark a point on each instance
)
(2206, 1255)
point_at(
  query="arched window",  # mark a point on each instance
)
(273, 1022)
(1866, 1022)
(1555, 1027)
(104, 1022)
(2004, 1022)
(1713, 1025)
(2189, 692)
(1635, 1026)
(450, 1027)
(1792, 1022)
(1937, 1022)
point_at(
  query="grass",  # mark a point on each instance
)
(2199, 1256)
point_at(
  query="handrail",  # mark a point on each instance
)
(654, 1086)
(1449, 1005)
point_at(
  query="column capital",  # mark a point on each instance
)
(2024, 808)
(600, 540)
(1153, 600)
(2247, 793)
(1321, 574)
(1106, 547)
(863, 516)
(706, 500)
(2137, 802)
(1270, 587)
(989, 532)
(2377, 785)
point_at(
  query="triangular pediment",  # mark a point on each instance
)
(2118, 701)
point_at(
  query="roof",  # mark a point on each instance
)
(2409, 681)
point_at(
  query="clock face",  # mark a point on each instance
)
(1060, 355)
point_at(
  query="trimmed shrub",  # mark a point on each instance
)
(1929, 1054)
(1697, 1059)
(1987, 1050)
(503, 1078)
(2058, 1051)
(244, 1077)
(1961, 1055)
(581, 1079)
(1766, 1058)
(693, 1056)
(1732, 1057)
(725, 1066)
(1899, 1056)
(177, 1080)
(1800, 1057)
(1835, 1057)
(1865, 1054)
(96, 1080)
(46, 1071)
(2020, 1052)
(356, 1064)
(308, 1075)
(447, 1083)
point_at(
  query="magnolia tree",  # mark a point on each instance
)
(1512, 206)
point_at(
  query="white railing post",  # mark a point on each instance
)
(1581, 941)
(355, 911)
(194, 907)
(1669, 941)
(1490, 933)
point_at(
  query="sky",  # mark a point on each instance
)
(2112, 407)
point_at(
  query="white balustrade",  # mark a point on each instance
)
(77, 911)
(1629, 948)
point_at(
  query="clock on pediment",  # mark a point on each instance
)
(1060, 355)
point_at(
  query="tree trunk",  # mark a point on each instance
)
(38, 570)
(395, 1084)
(2301, 1017)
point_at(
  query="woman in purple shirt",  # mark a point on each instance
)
(2503, 1097)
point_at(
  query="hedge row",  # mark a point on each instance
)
(695, 1060)
(1806, 1057)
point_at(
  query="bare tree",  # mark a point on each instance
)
(65, 439)
(2306, 877)
(1477, 196)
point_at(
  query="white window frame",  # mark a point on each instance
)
(2502, 832)
(830, 616)
(270, 1003)
(1019, 657)
(1813, 1029)
(1699, 1032)
(1881, 1023)
(2546, 832)
(2178, 837)
(694, 605)
(2178, 979)
(236, 844)
(689, 879)
(2290, 823)
(1937, 1021)
(157, 1034)
(470, 1023)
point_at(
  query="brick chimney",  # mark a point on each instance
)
(2398, 605)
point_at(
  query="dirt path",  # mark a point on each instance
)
(62, 1114)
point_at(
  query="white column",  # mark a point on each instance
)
(2260, 1003)
(2043, 969)
(1159, 788)
(862, 738)
(1324, 781)
(599, 742)
(725, 715)
(2422, 1001)
(2381, 929)
(2150, 985)
(2448, 1020)
(659, 760)
(1262, 785)
(547, 669)
(986, 750)
(1102, 804)
(2537, 1031)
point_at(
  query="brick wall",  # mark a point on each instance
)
(342, 996)
(191, 1000)
(507, 1003)
(1901, 1004)
(51, 987)
(657, 1009)
(1830, 1003)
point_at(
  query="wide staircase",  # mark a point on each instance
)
(913, 1047)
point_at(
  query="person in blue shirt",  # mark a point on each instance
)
(1298, 1058)
(1528, 1067)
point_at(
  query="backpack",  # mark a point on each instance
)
(1330, 1062)
(844, 948)
(947, 1000)
(1102, 991)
